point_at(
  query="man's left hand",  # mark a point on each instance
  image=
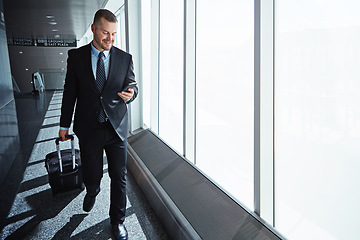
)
(126, 96)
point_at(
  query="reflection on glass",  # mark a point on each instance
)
(171, 73)
(9, 136)
(224, 94)
(317, 119)
(120, 36)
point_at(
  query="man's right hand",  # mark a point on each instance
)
(63, 133)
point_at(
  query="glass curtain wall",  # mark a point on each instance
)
(171, 73)
(225, 95)
(317, 118)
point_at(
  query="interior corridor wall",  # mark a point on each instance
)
(6, 89)
(8, 119)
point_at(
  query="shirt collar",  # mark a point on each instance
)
(96, 52)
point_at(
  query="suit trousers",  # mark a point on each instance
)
(91, 150)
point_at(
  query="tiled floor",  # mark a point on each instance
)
(35, 213)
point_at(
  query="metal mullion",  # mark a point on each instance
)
(274, 181)
(264, 178)
(158, 71)
(257, 206)
(184, 80)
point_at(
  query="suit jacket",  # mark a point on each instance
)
(80, 91)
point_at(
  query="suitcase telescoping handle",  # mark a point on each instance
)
(57, 140)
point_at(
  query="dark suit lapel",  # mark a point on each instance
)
(88, 67)
(116, 65)
(112, 66)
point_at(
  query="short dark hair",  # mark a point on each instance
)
(104, 13)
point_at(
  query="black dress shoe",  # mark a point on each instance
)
(119, 231)
(88, 203)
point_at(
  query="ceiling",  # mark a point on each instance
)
(35, 19)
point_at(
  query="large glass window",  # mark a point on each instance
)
(317, 118)
(120, 36)
(171, 73)
(225, 94)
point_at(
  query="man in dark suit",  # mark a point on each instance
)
(100, 81)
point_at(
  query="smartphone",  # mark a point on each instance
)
(131, 85)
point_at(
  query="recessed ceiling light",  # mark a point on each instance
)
(56, 35)
(54, 30)
(20, 52)
(50, 16)
(61, 53)
(52, 23)
(26, 69)
(62, 61)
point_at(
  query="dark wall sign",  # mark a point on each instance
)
(21, 41)
(56, 42)
(42, 42)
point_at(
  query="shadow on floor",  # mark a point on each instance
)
(43, 206)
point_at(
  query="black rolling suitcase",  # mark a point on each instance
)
(64, 168)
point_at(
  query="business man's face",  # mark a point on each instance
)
(104, 34)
